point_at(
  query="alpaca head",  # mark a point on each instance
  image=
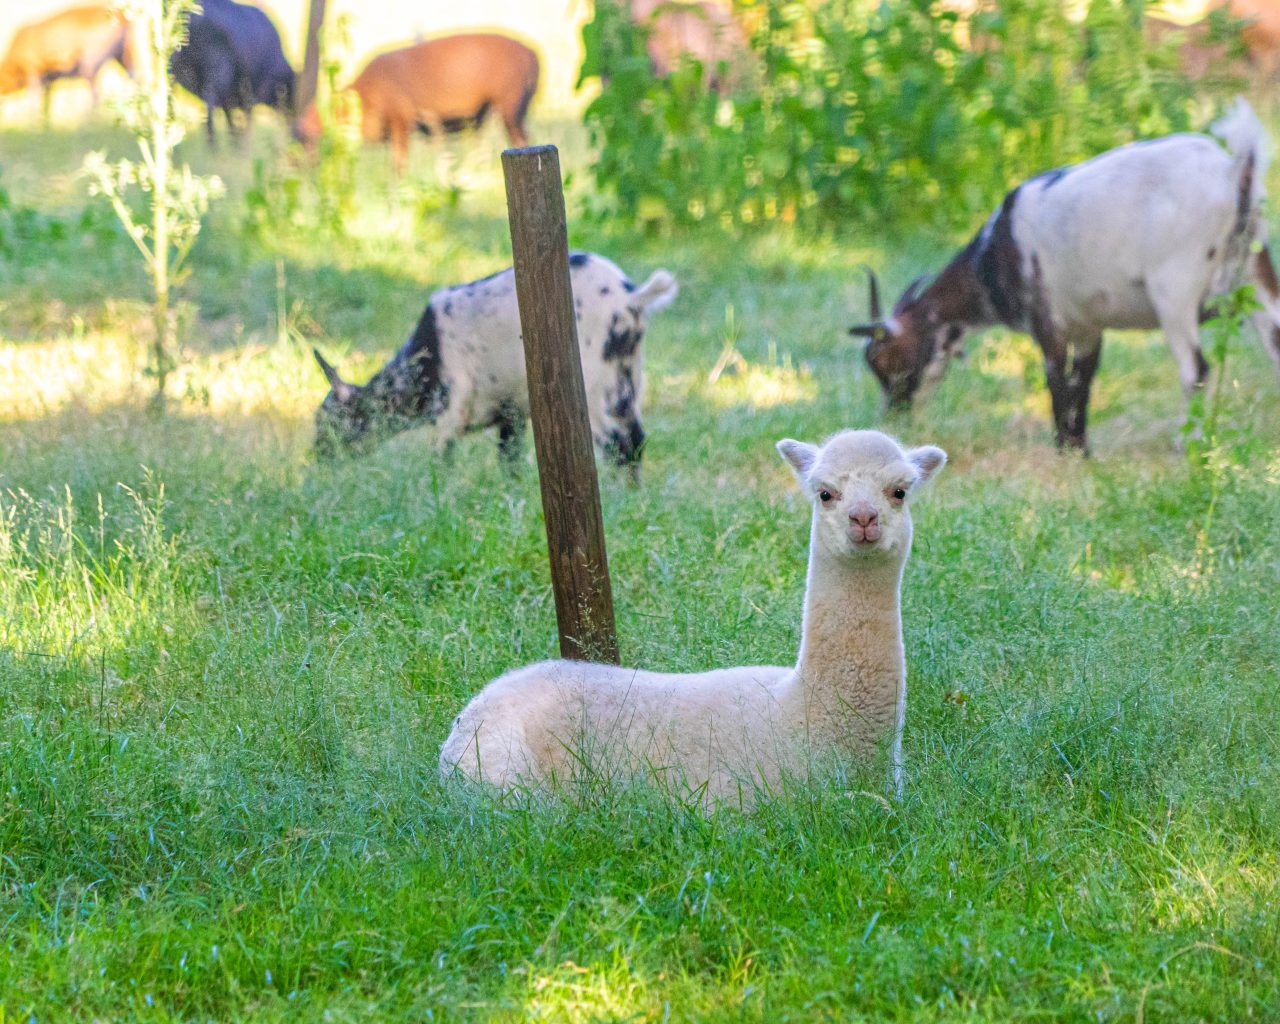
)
(859, 482)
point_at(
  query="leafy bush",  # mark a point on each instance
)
(23, 225)
(175, 198)
(316, 192)
(894, 111)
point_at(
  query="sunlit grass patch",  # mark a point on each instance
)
(750, 386)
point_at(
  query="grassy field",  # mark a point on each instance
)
(225, 671)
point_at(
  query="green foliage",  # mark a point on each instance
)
(26, 231)
(1220, 448)
(875, 113)
(23, 225)
(314, 192)
(1210, 440)
(176, 198)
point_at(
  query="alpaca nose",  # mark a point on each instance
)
(864, 514)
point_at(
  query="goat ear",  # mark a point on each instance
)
(341, 388)
(927, 460)
(800, 456)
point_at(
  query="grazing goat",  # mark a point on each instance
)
(232, 60)
(464, 365)
(1142, 236)
(726, 734)
(439, 86)
(75, 43)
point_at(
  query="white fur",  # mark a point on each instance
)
(1143, 235)
(724, 735)
(482, 354)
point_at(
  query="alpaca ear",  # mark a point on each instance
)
(928, 460)
(799, 455)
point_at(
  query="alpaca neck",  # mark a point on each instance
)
(851, 670)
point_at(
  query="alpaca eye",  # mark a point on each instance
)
(825, 497)
(899, 493)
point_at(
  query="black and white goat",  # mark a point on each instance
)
(1139, 237)
(464, 370)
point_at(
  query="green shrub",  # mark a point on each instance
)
(891, 112)
(28, 234)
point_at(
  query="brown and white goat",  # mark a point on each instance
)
(1142, 236)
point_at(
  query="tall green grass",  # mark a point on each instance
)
(225, 670)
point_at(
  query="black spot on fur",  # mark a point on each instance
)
(1213, 251)
(1265, 272)
(1051, 178)
(622, 340)
(1244, 198)
(604, 290)
(511, 421)
(578, 259)
(410, 385)
(1202, 368)
(624, 398)
(997, 262)
(625, 444)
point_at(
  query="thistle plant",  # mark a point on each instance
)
(174, 198)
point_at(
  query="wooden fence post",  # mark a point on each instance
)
(558, 405)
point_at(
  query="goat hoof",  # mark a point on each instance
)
(1074, 443)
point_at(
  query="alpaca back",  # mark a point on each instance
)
(573, 721)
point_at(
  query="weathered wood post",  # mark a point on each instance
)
(558, 405)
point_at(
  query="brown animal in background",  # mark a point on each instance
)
(1197, 53)
(1261, 33)
(703, 30)
(74, 43)
(442, 85)
(1202, 51)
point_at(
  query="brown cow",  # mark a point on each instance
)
(74, 43)
(442, 85)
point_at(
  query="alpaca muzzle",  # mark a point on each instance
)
(864, 523)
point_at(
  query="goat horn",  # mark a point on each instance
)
(865, 330)
(910, 294)
(874, 286)
(340, 387)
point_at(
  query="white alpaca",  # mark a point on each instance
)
(725, 734)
